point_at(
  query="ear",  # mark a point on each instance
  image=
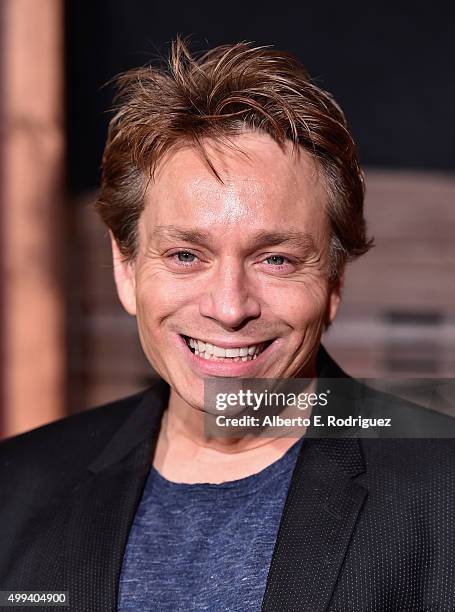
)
(334, 299)
(125, 281)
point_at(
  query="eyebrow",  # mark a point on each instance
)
(301, 240)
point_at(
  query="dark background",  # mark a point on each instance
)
(391, 69)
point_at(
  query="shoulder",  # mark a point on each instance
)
(408, 455)
(411, 472)
(420, 441)
(64, 446)
(407, 418)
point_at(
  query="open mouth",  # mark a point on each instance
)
(211, 352)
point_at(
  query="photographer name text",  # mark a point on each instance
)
(316, 420)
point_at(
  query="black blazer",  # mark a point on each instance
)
(368, 525)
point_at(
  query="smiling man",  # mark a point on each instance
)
(237, 266)
(234, 199)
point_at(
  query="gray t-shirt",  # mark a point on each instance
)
(204, 546)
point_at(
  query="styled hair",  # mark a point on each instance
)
(218, 95)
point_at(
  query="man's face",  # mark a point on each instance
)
(240, 266)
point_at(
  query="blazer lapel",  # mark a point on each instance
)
(318, 520)
(102, 508)
(320, 514)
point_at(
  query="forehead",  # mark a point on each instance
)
(262, 187)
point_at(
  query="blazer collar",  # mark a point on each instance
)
(101, 509)
(142, 426)
(320, 513)
(319, 517)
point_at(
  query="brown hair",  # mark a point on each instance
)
(226, 91)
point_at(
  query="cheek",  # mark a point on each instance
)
(299, 306)
(157, 298)
(157, 287)
(153, 305)
(160, 302)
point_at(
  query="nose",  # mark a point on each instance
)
(228, 298)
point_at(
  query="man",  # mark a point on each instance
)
(234, 198)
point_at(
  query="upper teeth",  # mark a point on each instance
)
(218, 351)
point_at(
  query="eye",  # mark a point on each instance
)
(277, 260)
(185, 256)
(183, 259)
(278, 264)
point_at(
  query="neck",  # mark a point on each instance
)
(184, 453)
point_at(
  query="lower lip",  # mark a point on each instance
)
(224, 368)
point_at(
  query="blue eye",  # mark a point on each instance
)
(185, 256)
(280, 259)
